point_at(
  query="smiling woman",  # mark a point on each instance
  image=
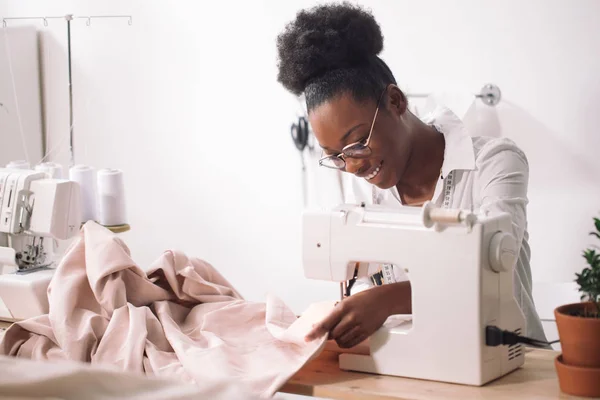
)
(357, 112)
(361, 120)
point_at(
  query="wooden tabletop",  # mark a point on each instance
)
(322, 378)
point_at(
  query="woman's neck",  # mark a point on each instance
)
(425, 163)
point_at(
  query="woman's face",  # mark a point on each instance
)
(342, 121)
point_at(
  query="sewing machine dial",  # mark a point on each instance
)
(503, 252)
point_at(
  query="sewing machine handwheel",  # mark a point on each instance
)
(503, 252)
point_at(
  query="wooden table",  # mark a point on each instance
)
(322, 378)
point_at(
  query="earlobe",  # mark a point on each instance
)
(397, 100)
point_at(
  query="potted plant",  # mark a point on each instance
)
(578, 367)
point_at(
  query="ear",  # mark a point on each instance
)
(397, 102)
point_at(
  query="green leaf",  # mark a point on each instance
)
(588, 279)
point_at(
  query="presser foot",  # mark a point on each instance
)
(30, 270)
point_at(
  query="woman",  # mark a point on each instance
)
(361, 120)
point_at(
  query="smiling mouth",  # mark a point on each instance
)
(374, 173)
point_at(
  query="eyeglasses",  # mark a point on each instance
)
(358, 150)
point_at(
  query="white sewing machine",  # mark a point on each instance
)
(35, 211)
(460, 267)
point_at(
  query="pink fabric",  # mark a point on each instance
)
(180, 320)
(69, 380)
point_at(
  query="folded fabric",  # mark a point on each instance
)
(181, 319)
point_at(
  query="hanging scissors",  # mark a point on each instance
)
(300, 136)
(300, 133)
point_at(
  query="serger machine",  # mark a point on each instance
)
(35, 212)
(460, 267)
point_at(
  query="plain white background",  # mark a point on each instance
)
(185, 101)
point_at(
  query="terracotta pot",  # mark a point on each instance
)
(577, 381)
(579, 336)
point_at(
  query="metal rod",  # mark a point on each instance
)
(429, 94)
(490, 94)
(73, 17)
(343, 290)
(25, 18)
(69, 18)
(106, 16)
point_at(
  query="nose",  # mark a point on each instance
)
(354, 165)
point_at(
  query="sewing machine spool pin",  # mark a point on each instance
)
(432, 215)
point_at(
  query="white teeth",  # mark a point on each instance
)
(373, 174)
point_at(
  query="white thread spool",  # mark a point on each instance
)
(86, 178)
(111, 194)
(53, 169)
(18, 164)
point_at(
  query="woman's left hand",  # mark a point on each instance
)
(354, 319)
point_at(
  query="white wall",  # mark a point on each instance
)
(185, 101)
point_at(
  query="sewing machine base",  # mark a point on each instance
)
(24, 295)
(393, 358)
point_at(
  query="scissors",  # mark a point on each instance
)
(300, 134)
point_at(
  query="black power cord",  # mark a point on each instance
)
(495, 336)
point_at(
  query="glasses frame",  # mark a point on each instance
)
(342, 156)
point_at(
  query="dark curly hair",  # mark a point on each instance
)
(331, 49)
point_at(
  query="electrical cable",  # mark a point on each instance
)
(495, 336)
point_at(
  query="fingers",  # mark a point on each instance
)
(326, 325)
(354, 341)
(347, 323)
(350, 336)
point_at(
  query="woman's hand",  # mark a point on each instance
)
(357, 317)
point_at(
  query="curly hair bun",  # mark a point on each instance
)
(326, 38)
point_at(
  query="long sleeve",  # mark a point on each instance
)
(503, 180)
(502, 183)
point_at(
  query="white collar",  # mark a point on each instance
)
(458, 151)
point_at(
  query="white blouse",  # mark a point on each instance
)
(480, 173)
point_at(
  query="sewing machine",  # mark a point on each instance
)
(35, 212)
(460, 267)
